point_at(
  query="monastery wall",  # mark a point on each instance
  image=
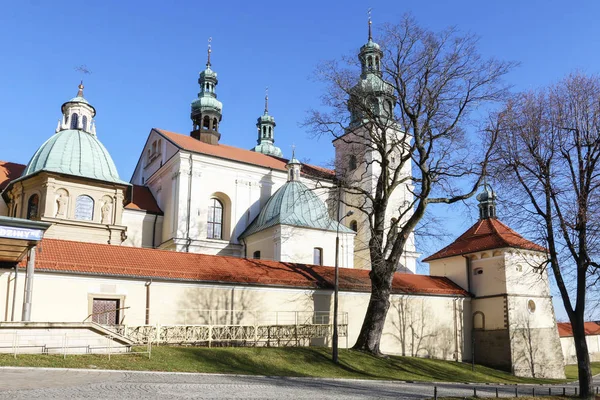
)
(568, 348)
(425, 326)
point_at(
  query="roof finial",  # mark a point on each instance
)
(80, 91)
(293, 151)
(209, 51)
(267, 100)
(370, 22)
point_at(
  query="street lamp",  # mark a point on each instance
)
(334, 341)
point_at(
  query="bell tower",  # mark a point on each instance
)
(358, 163)
(266, 132)
(207, 111)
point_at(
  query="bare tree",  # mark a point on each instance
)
(549, 154)
(405, 122)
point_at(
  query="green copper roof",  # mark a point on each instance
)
(207, 102)
(74, 152)
(268, 148)
(296, 205)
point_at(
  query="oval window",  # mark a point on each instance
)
(531, 306)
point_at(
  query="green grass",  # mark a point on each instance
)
(290, 361)
(571, 370)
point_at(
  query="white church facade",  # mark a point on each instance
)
(206, 226)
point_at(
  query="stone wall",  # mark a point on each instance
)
(492, 348)
(537, 353)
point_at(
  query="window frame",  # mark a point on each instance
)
(318, 251)
(210, 220)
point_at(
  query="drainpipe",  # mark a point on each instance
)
(468, 268)
(147, 284)
(154, 231)
(14, 300)
(26, 315)
(189, 206)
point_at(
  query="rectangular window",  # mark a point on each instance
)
(105, 311)
(318, 256)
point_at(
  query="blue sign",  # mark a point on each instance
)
(21, 233)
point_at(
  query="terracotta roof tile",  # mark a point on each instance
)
(486, 234)
(591, 328)
(142, 199)
(187, 142)
(100, 259)
(9, 171)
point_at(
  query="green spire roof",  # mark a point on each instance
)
(296, 205)
(77, 153)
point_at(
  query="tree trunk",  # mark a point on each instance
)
(369, 337)
(584, 369)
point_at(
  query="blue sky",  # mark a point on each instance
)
(145, 58)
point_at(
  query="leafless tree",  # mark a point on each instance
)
(409, 112)
(548, 161)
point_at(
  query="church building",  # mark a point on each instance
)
(202, 225)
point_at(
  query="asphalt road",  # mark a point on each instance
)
(38, 383)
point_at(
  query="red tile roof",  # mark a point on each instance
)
(188, 143)
(486, 234)
(101, 259)
(591, 328)
(142, 199)
(9, 171)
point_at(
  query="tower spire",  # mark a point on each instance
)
(80, 91)
(267, 100)
(209, 51)
(370, 23)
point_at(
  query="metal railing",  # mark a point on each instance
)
(239, 327)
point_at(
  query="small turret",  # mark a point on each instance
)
(487, 203)
(266, 132)
(78, 114)
(293, 167)
(206, 109)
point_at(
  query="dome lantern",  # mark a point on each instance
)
(78, 114)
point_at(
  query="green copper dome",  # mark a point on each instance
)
(296, 205)
(207, 103)
(77, 153)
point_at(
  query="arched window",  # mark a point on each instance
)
(318, 256)
(84, 123)
(74, 120)
(206, 122)
(370, 62)
(215, 219)
(354, 225)
(478, 320)
(352, 162)
(270, 132)
(84, 208)
(32, 206)
(256, 255)
(394, 226)
(215, 124)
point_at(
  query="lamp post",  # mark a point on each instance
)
(334, 341)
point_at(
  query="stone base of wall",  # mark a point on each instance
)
(537, 353)
(492, 348)
(59, 338)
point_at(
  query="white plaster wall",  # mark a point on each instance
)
(434, 326)
(141, 228)
(365, 176)
(454, 268)
(568, 348)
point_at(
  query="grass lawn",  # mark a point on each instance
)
(571, 370)
(282, 361)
